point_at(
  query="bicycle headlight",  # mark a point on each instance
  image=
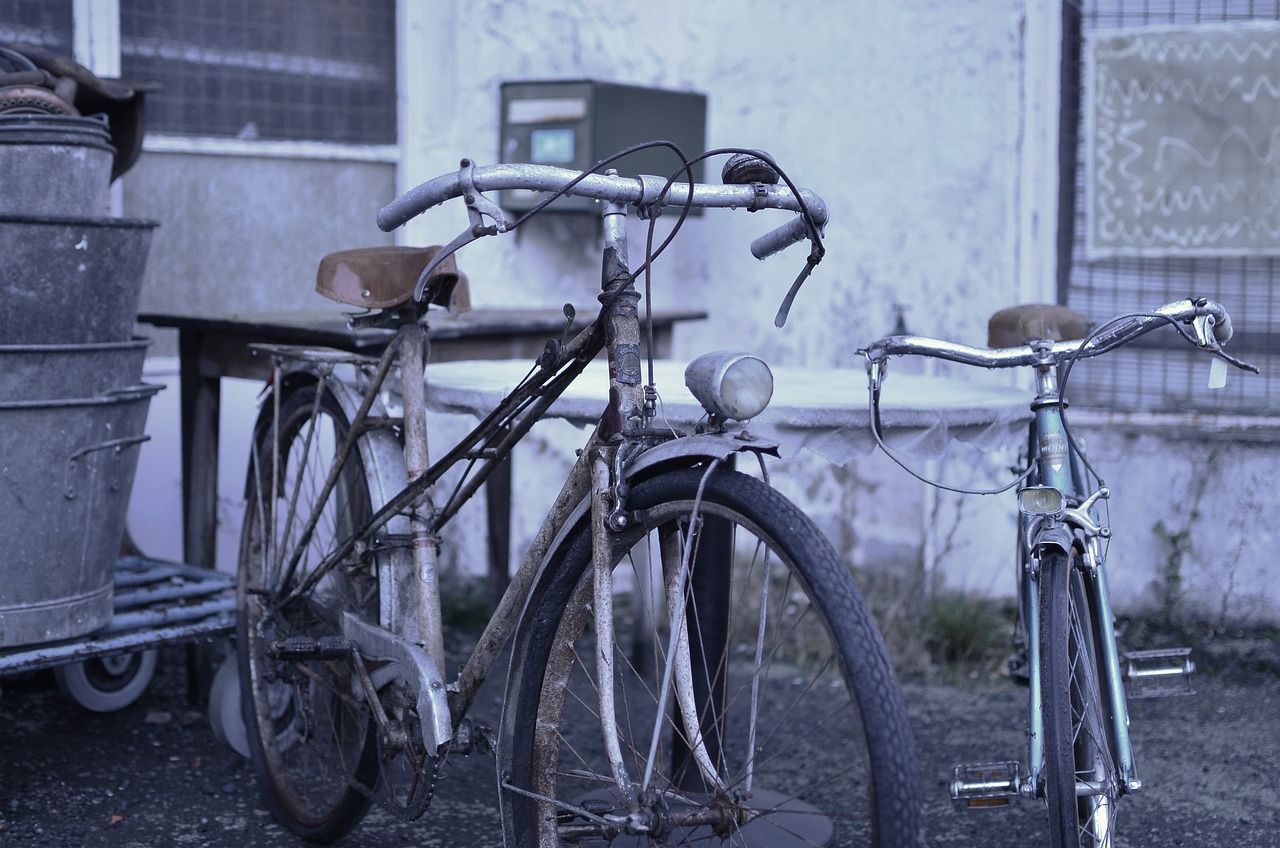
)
(1041, 500)
(729, 385)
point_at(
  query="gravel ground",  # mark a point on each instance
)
(154, 775)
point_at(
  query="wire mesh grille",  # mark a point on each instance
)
(297, 70)
(47, 23)
(1165, 374)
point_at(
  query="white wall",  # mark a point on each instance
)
(907, 117)
(903, 115)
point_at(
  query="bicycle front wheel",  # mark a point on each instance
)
(1080, 777)
(753, 702)
(310, 736)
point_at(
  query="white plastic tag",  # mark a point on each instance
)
(1217, 373)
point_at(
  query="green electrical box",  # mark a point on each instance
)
(575, 123)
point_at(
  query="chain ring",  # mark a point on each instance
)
(414, 807)
(424, 777)
(402, 812)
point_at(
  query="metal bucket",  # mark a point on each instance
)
(69, 370)
(54, 165)
(70, 280)
(66, 469)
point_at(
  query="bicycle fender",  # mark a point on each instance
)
(380, 452)
(715, 446)
(682, 451)
(1053, 535)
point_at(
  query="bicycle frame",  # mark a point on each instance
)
(411, 628)
(1074, 525)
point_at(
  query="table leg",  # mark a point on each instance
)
(200, 400)
(497, 498)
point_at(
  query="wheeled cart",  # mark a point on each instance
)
(155, 603)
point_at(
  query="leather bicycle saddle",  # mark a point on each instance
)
(384, 277)
(1015, 326)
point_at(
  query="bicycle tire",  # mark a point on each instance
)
(1076, 720)
(312, 744)
(827, 691)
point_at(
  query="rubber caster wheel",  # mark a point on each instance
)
(225, 717)
(107, 684)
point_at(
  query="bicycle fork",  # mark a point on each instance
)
(626, 418)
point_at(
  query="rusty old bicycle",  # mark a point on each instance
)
(752, 703)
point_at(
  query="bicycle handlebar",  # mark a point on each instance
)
(1214, 316)
(643, 191)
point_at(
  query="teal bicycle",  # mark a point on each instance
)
(1080, 760)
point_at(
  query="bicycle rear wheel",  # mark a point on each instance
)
(793, 731)
(311, 739)
(1080, 776)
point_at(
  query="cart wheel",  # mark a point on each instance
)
(225, 716)
(107, 684)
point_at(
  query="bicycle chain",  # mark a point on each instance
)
(408, 813)
(383, 798)
(400, 811)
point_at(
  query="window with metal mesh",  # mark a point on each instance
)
(46, 23)
(1161, 373)
(296, 70)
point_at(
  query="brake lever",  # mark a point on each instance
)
(479, 207)
(815, 256)
(1202, 326)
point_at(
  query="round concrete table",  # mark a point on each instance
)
(822, 409)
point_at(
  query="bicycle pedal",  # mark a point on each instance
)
(1019, 670)
(302, 648)
(1158, 674)
(986, 786)
(470, 737)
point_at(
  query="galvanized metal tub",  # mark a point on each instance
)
(70, 370)
(54, 165)
(70, 280)
(66, 469)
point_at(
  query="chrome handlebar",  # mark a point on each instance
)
(1208, 322)
(470, 181)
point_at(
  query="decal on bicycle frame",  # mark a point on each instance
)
(1053, 449)
(628, 364)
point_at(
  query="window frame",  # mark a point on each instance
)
(96, 35)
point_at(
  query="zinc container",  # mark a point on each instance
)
(66, 470)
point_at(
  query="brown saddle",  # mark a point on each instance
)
(1017, 325)
(384, 277)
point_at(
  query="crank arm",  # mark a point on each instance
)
(415, 666)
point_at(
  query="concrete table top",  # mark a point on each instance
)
(822, 409)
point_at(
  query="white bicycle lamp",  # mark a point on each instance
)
(730, 386)
(1041, 500)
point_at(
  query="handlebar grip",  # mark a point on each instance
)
(1222, 329)
(779, 239)
(418, 200)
